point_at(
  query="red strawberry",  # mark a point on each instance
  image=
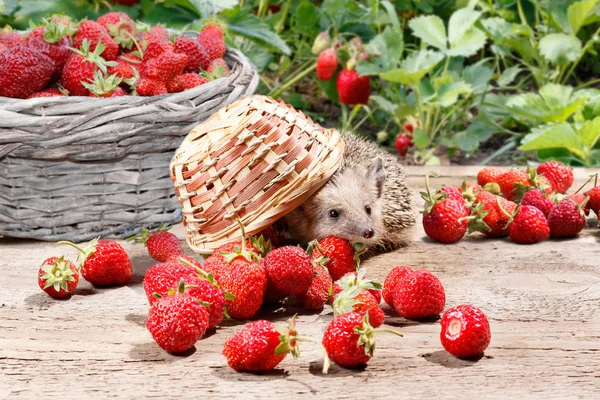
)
(120, 27)
(96, 34)
(327, 64)
(127, 66)
(491, 220)
(508, 179)
(53, 40)
(290, 269)
(559, 175)
(50, 92)
(207, 290)
(165, 67)
(185, 81)
(355, 299)
(350, 340)
(410, 124)
(403, 142)
(342, 256)
(104, 262)
(453, 193)
(218, 68)
(156, 34)
(566, 219)
(594, 201)
(150, 87)
(58, 277)
(446, 221)
(465, 331)
(528, 226)
(161, 244)
(211, 39)
(177, 322)
(352, 88)
(419, 295)
(105, 86)
(80, 68)
(161, 277)
(393, 278)
(155, 49)
(24, 71)
(2, 48)
(581, 200)
(234, 266)
(539, 199)
(317, 294)
(11, 39)
(197, 57)
(489, 175)
(261, 346)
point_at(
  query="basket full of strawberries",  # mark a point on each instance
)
(90, 114)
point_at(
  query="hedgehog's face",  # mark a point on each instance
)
(349, 205)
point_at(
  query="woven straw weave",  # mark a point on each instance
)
(254, 161)
(74, 168)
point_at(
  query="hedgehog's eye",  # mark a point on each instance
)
(368, 209)
(334, 213)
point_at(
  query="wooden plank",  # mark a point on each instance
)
(542, 302)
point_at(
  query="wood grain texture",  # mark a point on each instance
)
(543, 302)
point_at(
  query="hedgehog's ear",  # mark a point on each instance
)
(377, 173)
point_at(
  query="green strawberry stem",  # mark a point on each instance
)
(84, 252)
(388, 331)
(588, 181)
(135, 43)
(144, 233)
(207, 277)
(326, 360)
(293, 81)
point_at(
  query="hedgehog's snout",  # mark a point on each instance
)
(369, 233)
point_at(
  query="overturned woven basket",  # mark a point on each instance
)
(254, 161)
(74, 168)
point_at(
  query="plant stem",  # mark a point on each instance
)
(583, 52)
(286, 11)
(292, 81)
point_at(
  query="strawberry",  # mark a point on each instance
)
(352, 88)
(156, 34)
(120, 26)
(177, 322)
(150, 87)
(103, 262)
(290, 269)
(161, 277)
(327, 64)
(418, 295)
(341, 256)
(446, 221)
(185, 81)
(559, 175)
(218, 68)
(403, 142)
(127, 67)
(164, 67)
(453, 193)
(581, 200)
(392, 279)
(350, 340)
(104, 86)
(321, 43)
(490, 219)
(528, 226)
(155, 49)
(58, 277)
(567, 219)
(355, 299)
(96, 34)
(409, 125)
(272, 295)
(197, 57)
(50, 92)
(465, 331)
(359, 279)
(508, 180)
(261, 346)
(53, 40)
(489, 175)
(24, 71)
(2, 48)
(594, 200)
(539, 199)
(317, 294)
(236, 269)
(11, 39)
(161, 244)
(211, 39)
(81, 66)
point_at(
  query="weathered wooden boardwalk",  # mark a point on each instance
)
(543, 302)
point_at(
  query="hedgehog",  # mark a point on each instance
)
(366, 201)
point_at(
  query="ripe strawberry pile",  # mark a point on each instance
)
(113, 56)
(187, 299)
(528, 207)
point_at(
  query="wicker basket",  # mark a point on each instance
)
(253, 161)
(74, 168)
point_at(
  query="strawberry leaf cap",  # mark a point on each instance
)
(431, 199)
(58, 274)
(95, 56)
(241, 251)
(477, 224)
(359, 280)
(84, 251)
(367, 334)
(103, 84)
(207, 276)
(345, 300)
(262, 244)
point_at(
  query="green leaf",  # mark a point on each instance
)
(389, 45)
(460, 23)
(251, 27)
(414, 67)
(207, 8)
(304, 19)
(467, 141)
(579, 12)
(508, 76)
(471, 42)
(430, 29)
(384, 103)
(552, 137)
(394, 20)
(448, 93)
(589, 132)
(560, 48)
(420, 138)
(478, 76)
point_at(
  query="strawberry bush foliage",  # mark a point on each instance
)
(425, 78)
